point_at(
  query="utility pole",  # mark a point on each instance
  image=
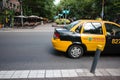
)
(21, 12)
(102, 13)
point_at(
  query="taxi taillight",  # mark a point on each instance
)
(56, 35)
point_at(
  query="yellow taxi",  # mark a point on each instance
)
(85, 35)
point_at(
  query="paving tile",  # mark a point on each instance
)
(17, 74)
(24, 74)
(40, 76)
(49, 73)
(104, 72)
(41, 71)
(9, 72)
(3, 72)
(6, 76)
(1, 76)
(79, 70)
(33, 74)
(65, 73)
(81, 74)
(87, 72)
(98, 73)
(73, 73)
(25, 71)
(57, 73)
(114, 72)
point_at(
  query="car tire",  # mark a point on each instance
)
(75, 51)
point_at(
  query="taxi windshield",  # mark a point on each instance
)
(68, 27)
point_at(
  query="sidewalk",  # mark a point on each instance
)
(40, 28)
(62, 73)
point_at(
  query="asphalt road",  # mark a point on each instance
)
(33, 50)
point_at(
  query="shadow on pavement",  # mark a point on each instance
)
(87, 54)
(103, 54)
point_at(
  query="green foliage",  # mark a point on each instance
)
(1, 18)
(81, 9)
(78, 8)
(43, 8)
(91, 9)
(62, 21)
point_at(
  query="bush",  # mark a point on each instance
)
(62, 21)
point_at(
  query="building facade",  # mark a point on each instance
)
(11, 5)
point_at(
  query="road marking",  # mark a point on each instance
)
(61, 73)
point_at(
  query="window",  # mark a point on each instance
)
(71, 25)
(92, 28)
(112, 30)
(78, 29)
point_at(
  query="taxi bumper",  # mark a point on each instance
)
(61, 45)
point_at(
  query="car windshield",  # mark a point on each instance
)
(68, 27)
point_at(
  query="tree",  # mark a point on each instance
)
(42, 8)
(91, 9)
(78, 8)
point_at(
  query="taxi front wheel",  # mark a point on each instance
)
(75, 51)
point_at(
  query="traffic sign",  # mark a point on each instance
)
(66, 11)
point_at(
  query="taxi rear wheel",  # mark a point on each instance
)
(75, 51)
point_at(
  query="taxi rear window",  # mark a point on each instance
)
(71, 25)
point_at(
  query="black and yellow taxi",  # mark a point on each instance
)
(85, 35)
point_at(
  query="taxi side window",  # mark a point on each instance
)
(92, 28)
(112, 30)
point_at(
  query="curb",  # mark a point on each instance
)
(61, 73)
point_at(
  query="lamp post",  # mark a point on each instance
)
(21, 12)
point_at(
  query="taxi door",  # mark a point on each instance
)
(112, 38)
(92, 35)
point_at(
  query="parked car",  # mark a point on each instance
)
(85, 35)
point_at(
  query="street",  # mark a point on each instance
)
(59, 40)
(33, 51)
